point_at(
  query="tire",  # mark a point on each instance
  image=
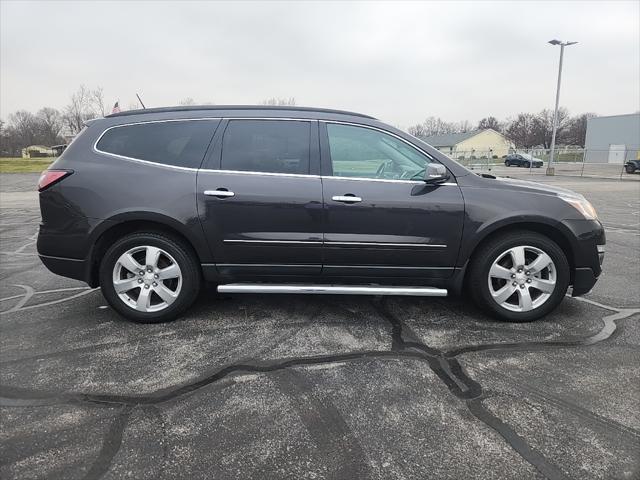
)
(630, 168)
(179, 288)
(527, 165)
(484, 287)
(507, 163)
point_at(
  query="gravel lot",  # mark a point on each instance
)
(316, 386)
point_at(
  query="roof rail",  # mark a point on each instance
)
(235, 107)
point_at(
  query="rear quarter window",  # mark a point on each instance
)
(178, 143)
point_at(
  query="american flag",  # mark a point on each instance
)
(116, 108)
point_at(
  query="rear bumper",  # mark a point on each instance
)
(66, 267)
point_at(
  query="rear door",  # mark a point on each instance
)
(381, 219)
(260, 198)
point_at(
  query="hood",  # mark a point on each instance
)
(533, 186)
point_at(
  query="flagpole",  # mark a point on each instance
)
(140, 100)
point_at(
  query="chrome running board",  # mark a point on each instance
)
(332, 289)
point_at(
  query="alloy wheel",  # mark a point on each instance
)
(147, 278)
(522, 278)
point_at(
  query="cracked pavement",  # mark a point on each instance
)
(257, 386)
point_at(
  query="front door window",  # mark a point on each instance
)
(367, 153)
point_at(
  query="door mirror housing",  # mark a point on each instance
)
(435, 173)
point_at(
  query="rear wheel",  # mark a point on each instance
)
(507, 163)
(149, 277)
(527, 165)
(519, 277)
(630, 168)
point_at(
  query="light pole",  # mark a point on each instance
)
(550, 168)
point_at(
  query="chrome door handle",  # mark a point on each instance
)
(348, 198)
(219, 193)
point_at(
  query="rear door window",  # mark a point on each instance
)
(179, 143)
(270, 146)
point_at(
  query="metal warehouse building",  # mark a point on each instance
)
(614, 139)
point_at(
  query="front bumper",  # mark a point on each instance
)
(583, 281)
(588, 245)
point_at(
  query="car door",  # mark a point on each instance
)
(260, 198)
(381, 220)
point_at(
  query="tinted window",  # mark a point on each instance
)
(363, 152)
(171, 143)
(273, 146)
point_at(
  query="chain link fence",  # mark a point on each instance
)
(577, 162)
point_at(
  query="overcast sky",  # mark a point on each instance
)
(398, 61)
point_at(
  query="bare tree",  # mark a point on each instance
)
(76, 112)
(437, 126)
(279, 101)
(544, 126)
(490, 122)
(49, 123)
(187, 101)
(462, 126)
(23, 127)
(96, 98)
(9, 145)
(522, 130)
(84, 105)
(417, 130)
(576, 131)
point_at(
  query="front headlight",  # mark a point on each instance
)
(582, 205)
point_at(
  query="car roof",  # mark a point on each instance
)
(260, 109)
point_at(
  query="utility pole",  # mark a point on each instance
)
(550, 168)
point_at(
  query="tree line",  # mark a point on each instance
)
(525, 130)
(50, 126)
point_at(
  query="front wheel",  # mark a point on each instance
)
(507, 163)
(527, 165)
(630, 168)
(519, 277)
(149, 277)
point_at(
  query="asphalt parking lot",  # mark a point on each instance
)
(318, 387)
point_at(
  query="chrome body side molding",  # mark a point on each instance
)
(332, 289)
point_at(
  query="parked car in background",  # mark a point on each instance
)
(150, 204)
(632, 166)
(522, 160)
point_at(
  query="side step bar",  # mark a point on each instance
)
(332, 289)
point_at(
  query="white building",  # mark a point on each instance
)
(477, 143)
(613, 139)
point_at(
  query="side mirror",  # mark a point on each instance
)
(435, 173)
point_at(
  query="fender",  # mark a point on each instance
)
(475, 234)
(192, 230)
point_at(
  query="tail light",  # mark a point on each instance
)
(51, 177)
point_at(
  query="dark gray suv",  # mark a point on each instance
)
(150, 204)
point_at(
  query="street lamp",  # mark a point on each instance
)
(550, 168)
